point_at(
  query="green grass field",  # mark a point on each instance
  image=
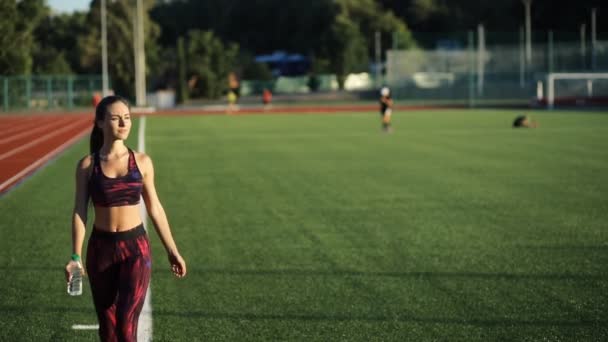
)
(321, 228)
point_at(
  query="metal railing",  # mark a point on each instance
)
(48, 91)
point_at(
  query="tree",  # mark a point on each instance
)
(257, 26)
(19, 19)
(56, 43)
(121, 63)
(182, 89)
(497, 15)
(338, 33)
(209, 63)
(347, 48)
(350, 42)
(371, 18)
(252, 70)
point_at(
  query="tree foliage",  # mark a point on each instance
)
(496, 15)
(19, 19)
(338, 35)
(249, 69)
(121, 64)
(208, 63)
(56, 49)
(351, 39)
(338, 31)
(347, 49)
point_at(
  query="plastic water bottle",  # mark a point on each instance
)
(75, 282)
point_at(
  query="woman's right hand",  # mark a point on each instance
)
(69, 265)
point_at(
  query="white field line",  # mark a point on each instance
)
(144, 327)
(34, 130)
(41, 139)
(85, 326)
(43, 160)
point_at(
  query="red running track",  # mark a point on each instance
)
(28, 142)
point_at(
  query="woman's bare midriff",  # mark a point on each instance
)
(117, 219)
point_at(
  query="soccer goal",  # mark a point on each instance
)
(577, 89)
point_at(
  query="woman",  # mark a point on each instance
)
(234, 91)
(118, 254)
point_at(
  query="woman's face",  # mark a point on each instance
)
(117, 122)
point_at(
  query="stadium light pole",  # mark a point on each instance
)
(378, 60)
(139, 54)
(522, 59)
(550, 50)
(481, 58)
(527, 5)
(471, 52)
(583, 46)
(105, 88)
(593, 38)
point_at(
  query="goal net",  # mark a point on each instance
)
(575, 89)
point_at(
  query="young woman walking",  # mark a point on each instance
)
(118, 259)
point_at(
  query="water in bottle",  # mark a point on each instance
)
(75, 282)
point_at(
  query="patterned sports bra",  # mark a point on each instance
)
(115, 192)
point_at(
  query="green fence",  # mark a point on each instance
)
(48, 91)
(463, 67)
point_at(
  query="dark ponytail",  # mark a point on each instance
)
(100, 114)
(96, 139)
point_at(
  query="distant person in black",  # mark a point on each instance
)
(523, 121)
(386, 109)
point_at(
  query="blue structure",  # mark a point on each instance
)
(284, 64)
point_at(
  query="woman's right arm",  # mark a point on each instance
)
(81, 201)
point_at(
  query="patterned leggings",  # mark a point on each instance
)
(119, 267)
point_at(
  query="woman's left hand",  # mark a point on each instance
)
(178, 265)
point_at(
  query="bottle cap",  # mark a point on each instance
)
(75, 257)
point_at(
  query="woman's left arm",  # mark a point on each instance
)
(159, 218)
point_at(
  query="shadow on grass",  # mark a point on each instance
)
(595, 248)
(32, 268)
(379, 318)
(24, 310)
(197, 271)
(319, 317)
(194, 271)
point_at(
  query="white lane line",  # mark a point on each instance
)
(85, 326)
(21, 125)
(144, 327)
(42, 160)
(8, 122)
(41, 139)
(47, 127)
